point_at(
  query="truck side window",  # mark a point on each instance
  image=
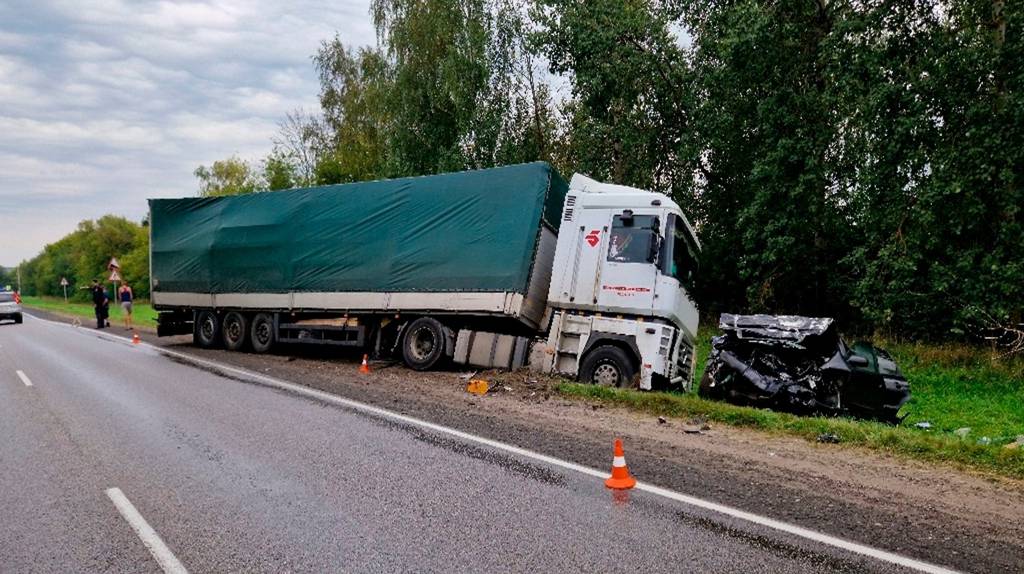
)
(679, 253)
(631, 239)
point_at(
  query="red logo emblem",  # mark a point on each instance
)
(593, 237)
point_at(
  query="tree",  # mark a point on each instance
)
(935, 163)
(355, 87)
(83, 255)
(438, 49)
(231, 176)
(629, 118)
(279, 172)
(303, 139)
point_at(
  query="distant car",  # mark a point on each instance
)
(10, 307)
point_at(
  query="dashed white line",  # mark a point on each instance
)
(24, 378)
(778, 525)
(163, 555)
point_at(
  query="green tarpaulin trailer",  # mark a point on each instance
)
(471, 242)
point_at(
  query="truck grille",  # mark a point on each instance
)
(684, 361)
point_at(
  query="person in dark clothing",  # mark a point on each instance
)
(100, 303)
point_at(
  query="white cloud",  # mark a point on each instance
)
(10, 39)
(88, 50)
(107, 104)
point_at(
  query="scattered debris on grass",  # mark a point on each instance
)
(962, 432)
(828, 438)
(925, 425)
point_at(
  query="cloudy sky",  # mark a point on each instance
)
(105, 103)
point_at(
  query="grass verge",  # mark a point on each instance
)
(909, 442)
(952, 387)
(143, 314)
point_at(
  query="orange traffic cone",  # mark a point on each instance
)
(620, 477)
(365, 367)
(135, 338)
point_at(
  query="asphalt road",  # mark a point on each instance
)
(233, 475)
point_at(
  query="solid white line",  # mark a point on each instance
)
(813, 535)
(163, 555)
(24, 378)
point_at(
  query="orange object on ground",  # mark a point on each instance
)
(478, 387)
(365, 367)
(620, 478)
(135, 338)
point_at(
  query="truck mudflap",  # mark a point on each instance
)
(801, 365)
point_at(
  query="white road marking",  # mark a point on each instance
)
(163, 555)
(799, 531)
(24, 378)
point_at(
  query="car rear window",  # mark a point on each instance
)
(6, 297)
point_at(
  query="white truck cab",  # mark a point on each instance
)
(619, 298)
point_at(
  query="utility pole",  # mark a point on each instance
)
(19, 279)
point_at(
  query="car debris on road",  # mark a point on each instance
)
(801, 365)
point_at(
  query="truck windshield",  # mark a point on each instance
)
(680, 261)
(632, 238)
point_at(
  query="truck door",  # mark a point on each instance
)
(629, 264)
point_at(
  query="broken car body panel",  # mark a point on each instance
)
(801, 365)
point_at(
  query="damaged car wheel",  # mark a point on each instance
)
(607, 366)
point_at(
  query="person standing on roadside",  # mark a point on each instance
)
(100, 303)
(126, 296)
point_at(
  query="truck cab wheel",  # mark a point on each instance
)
(423, 343)
(607, 366)
(262, 333)
(235, 331)
(206, 332)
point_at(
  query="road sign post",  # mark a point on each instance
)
(115, 277)
(64, 284)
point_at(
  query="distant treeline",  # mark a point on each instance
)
(856, 159)
(83, 255)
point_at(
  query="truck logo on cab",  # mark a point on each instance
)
(593, 237)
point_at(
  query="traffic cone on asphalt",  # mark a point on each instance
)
(135, 338)
(620, 478)
(365, 367)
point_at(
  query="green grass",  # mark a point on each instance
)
(143, 314)
(952, 387)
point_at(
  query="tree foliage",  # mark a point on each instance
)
(231, 176)
(83, 255)
(354, 88)
(853, 158)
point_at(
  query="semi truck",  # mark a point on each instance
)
(494, 268)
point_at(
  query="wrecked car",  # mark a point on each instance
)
(801, 365)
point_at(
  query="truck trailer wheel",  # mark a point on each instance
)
(235, 331)
(607, 366)
(262, 333)
(206, 331)
(423, 343)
